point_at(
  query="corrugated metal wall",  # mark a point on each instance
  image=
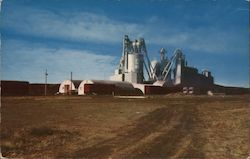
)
(14, 88)
(24, 88)
(36, 89)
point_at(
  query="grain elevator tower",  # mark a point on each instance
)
(132, 62)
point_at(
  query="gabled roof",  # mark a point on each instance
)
(77, 82)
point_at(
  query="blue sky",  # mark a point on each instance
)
(86, 36)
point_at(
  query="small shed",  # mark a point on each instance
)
(69, 87)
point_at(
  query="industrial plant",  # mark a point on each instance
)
(136, 74)
(172, 72)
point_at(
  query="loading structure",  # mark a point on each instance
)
(177, 73)
(133, 62)
(171, 71)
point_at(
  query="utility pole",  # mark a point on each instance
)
(71, 83)
(45, 86)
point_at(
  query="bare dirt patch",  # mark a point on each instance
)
(106, 127)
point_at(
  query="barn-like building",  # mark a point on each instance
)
(105, 87)
(69, 87)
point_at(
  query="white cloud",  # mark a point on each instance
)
(26, 61)
(96, 28)
(204, 40)
(0, 5)
(76, 26)
(232, 83)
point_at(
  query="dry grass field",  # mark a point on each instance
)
(105, 127)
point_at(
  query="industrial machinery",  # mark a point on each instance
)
(177, 72)
(158, 67)
(172, 70)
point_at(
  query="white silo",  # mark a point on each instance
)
(135, 67)
(155, 69)
(131, 63)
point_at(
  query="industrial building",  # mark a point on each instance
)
(14, 88)
(24, 88)
(168, 72)
(136, 75)
(105, 87)
(134, 58)
(38, 89)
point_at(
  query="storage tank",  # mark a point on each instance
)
(135, 64)
(178, 72)
(154, 64)
(206, 73)
(155, 68)
(131, 63)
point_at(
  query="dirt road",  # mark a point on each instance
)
(156, 127)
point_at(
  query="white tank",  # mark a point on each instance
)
(206, 73)
(131, 63)
(135, 64)
(155, 68)
(154, 65)
(178, 73)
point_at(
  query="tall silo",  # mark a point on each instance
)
(135, 67)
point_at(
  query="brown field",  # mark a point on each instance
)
(104, 127)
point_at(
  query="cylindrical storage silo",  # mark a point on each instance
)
(135, 64)
(206, 73)
(131, 63)
(155, 69)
